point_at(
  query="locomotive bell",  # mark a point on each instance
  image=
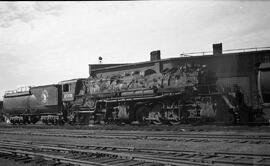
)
(100, 60)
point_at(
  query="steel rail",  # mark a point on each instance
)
(135, 157)
(53, 157)
(160, 137)
(171, 157)
(140, 134)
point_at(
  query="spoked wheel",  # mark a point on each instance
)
(154, 118)
(172, 118)
(71, 118)
(155, 114)
(142, 114)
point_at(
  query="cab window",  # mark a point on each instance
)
(66, 87)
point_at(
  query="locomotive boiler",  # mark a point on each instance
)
(175, 95)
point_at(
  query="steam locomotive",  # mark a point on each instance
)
(172, 96)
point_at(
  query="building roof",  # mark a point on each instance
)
(194, 55)
(264, 66)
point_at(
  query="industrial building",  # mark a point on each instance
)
(231, 67)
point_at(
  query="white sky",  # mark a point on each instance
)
(46, 42)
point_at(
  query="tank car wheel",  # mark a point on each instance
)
(45, 121)
(29, 120)
(156, 122)
(25, 120)
(174, 122)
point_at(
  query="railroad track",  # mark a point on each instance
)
(114, 155)
(29, 152)
(183, 137)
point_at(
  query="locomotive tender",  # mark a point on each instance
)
(31, 104)
(146, 92)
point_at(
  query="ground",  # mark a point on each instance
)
(215, 146)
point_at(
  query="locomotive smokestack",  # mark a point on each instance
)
(155, 55)
(217, 49)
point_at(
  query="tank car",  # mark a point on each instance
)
(31, 104)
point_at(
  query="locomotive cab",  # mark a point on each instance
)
(71, 88)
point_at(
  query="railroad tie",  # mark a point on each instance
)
(23, 159)
(118, 162)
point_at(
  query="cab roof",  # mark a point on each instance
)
(71, 80)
